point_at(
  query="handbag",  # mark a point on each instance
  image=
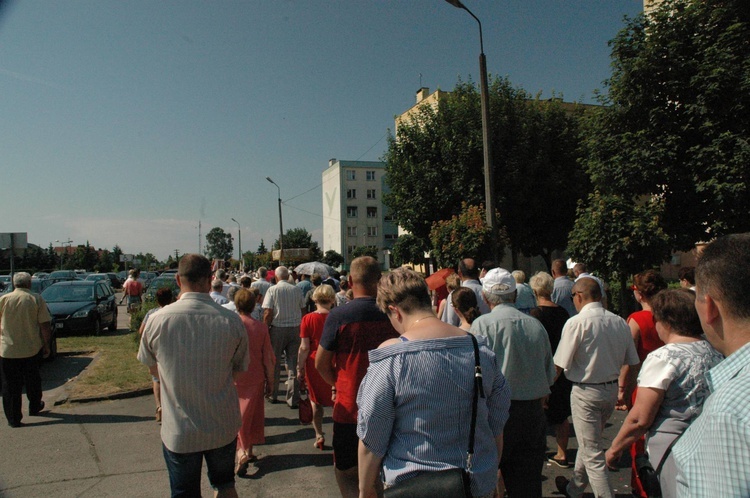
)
(454, 482)
(646, 473)
(304, 405)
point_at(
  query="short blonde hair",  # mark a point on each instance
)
(244, 300)
(324, 294)
(452, 282)
(403, 288)
(542, 284)
(519, 276)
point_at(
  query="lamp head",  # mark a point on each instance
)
(456, 3)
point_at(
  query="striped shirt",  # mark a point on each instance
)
(713, 456)
(197, 345)
(415, 409)
(287, 302)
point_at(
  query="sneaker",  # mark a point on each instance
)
(562, 485)
(562, 462)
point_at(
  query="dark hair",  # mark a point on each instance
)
(559, 266)
(403, 288)
(344, 285)
(676, 308)
(468, 268)
(489, 265)
(194, 268)
(687, 273)
(316, 279)
(465, 301)
(724, 274)
(649, 283)
(246, 281)
(244, 300)
(164, 296)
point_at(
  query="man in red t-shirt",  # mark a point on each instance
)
(350, 332)
(132, 289)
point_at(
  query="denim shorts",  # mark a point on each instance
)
(185, 469)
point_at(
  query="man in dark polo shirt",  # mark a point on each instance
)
(350, 332)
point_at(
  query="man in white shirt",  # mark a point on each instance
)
(594, 346)
(283, 308)
(197, 347)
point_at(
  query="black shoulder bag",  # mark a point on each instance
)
(451, 482)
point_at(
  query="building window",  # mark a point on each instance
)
(391, 236)
(372, 231)
(370, 176)
(351, 193)
(350, 249)
(370, 193)
(372, 212)
(351, 231)
(351, 174)
(351, 211)
(388, 218)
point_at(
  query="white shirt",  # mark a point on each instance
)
(287, 302)
(594, 345)
(197, 345)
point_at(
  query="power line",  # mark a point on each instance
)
(310, 212)
(373, 146)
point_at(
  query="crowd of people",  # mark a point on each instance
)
(425, 389)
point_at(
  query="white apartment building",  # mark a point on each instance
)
(353, 210)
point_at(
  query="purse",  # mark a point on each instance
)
(454, 482)
(648, 476)
(304, 406)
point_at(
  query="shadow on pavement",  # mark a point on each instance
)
(274, 463)
(55, 418)
(304, 433)
(63, 368)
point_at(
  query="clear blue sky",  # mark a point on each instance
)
(127, 122)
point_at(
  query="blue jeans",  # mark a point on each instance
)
(185, 470)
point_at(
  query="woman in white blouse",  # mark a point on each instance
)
(671, 384)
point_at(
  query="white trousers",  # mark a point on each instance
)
(591, 407)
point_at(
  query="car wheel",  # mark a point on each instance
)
(98, 326)
(113, 325)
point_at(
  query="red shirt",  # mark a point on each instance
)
(649, 338)
(132, 287)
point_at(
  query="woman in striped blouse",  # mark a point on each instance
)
(416, 400)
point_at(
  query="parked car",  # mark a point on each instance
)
(110, 278)
(69, 274)
(165, 280)
(82, 306)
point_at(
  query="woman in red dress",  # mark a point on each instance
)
(645, 286)
(253, 384)
(311, 329)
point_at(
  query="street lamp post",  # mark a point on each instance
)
(489, 181)
(239, 241)
(62, 254)
(281, 224)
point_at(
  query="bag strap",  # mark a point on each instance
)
(478, 391)
(666, 453)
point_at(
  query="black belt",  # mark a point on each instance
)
(596, 383)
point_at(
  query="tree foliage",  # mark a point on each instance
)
(464, 235)
(218, 244)
(332, 259)
(408, 248)
(365, 251)
(435, 162)
(300, 238)
(678, 119)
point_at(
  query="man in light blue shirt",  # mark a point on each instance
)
(713, 455)
(523, 351)
(561, 292)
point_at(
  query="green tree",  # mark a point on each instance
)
(261, 248)
(300, 238)
(435, 162)
(105, 263)
(365, 251)
(332, 259)
(618, 238)
(677, 120)
(408, 249)
(464, 235)
(218, 244)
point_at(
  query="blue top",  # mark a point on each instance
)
(415, 409)
(713, 456)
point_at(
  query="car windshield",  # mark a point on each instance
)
(68, 293)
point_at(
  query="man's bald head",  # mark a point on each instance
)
(468, 269)
(589, 290)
